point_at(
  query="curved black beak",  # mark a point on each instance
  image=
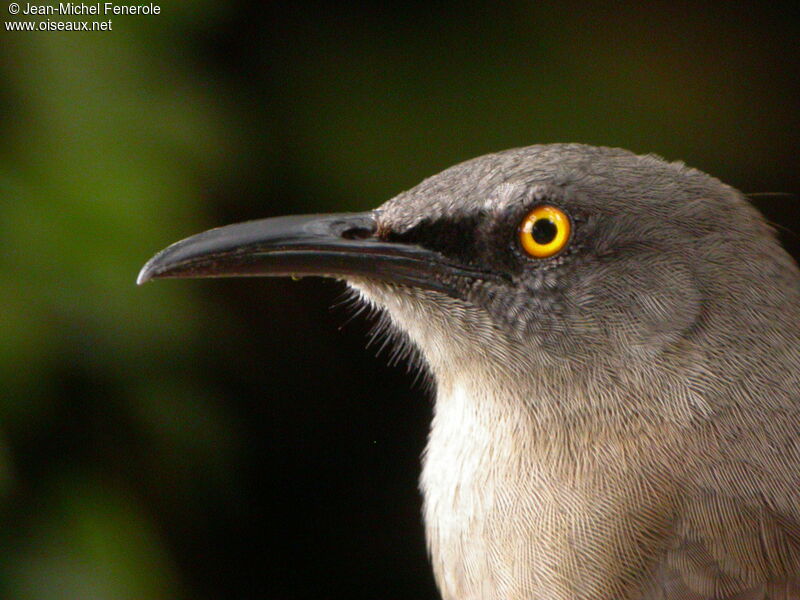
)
(336, 245)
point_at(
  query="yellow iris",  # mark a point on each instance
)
(544, 231)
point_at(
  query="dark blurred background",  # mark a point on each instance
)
(230, 439)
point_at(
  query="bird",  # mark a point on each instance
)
(614, 342)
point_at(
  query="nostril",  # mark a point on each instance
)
(357, 233)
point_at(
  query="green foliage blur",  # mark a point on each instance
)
(115, 144)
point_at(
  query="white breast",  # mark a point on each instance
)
(465, 483)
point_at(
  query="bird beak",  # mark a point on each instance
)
(337, 245)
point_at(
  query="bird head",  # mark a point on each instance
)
(564, 270)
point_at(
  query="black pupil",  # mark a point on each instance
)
(544, 231)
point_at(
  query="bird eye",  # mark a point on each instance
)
(544, 231)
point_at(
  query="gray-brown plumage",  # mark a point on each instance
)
(620, 420)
